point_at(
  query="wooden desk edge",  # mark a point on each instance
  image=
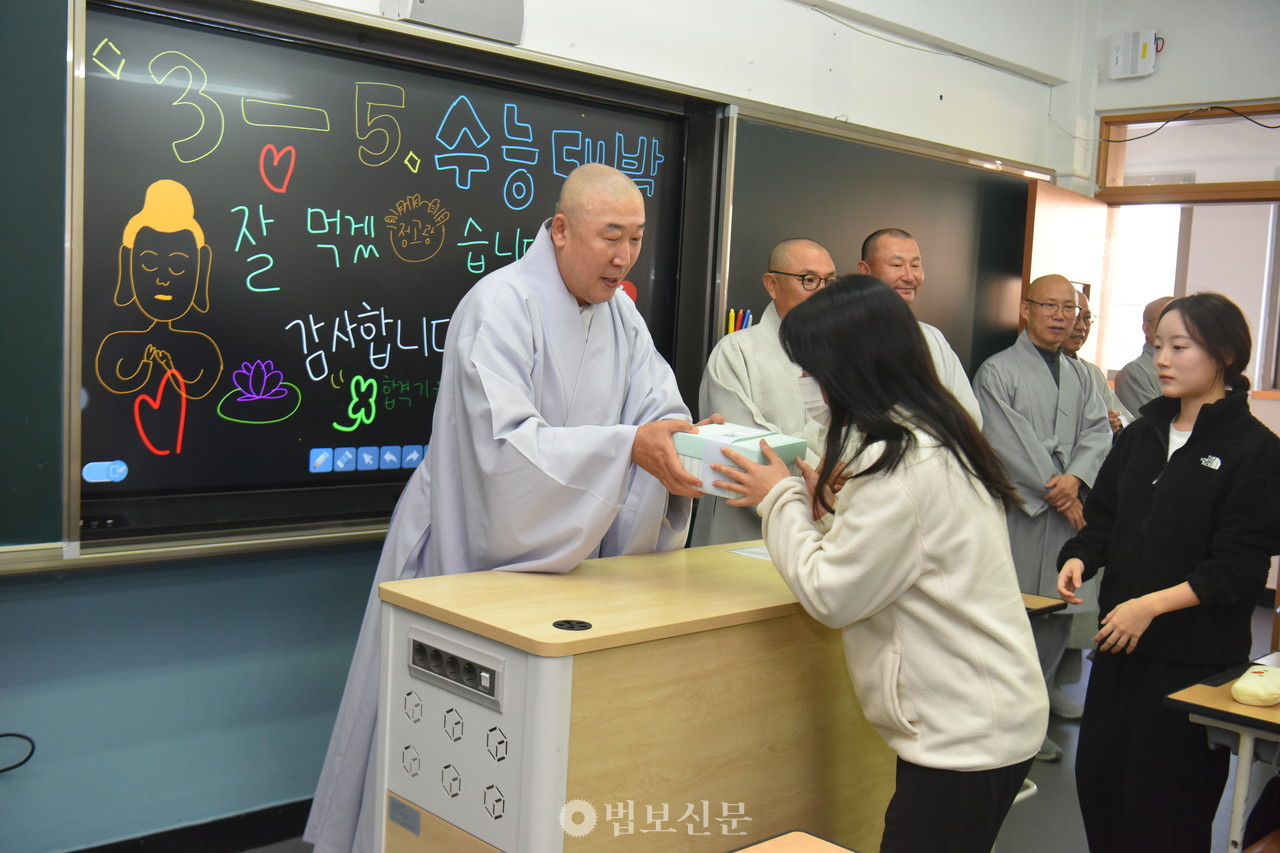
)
(591, 640)
(1040, 604)
(1215, 703)
(534, 640)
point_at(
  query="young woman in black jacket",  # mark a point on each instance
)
(1185, 516)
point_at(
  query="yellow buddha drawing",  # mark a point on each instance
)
(164, 267)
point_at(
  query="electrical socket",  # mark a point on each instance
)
(464, 672)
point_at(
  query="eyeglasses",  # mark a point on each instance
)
(808, 281)
(1048, 309)
(1089, 319)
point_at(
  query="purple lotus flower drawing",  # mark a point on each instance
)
(259, 381)
(261, 395)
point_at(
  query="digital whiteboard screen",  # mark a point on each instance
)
(275, 236)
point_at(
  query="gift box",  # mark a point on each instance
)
(698, 451)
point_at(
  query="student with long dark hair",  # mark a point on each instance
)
(1185, 515)
(911, 559)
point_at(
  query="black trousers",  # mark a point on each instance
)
(1145, 774)
(949, 811)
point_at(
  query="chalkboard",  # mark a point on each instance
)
(968, 221)
(33, 149)
(276, 234)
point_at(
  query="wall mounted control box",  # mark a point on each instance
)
(1132, 54)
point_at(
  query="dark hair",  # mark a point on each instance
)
(869, 244)
(1218, 326)
(859, 340)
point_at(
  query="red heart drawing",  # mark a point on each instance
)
(276, 156)
(154, 403)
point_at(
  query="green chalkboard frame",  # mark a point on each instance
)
(32, 492)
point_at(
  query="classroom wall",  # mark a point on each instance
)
(1223, 53)
(170, 694)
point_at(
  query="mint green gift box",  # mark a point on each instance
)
(697, 451)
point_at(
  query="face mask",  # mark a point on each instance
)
(815, 407)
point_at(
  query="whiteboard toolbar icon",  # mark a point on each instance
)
(344, 459)
(321, 460)
(105, 472)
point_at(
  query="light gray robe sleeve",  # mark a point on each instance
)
(749, 380)
(1109, 398)
(1092, 440)
(543, 497)
(651, 518)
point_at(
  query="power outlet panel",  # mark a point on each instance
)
(458, 668)
(473, 731)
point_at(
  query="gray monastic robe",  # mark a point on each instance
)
(1040, 430)
(1109, 398)
(529, 469)
(1136, 383)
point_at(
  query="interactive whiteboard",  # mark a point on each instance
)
(275, 236)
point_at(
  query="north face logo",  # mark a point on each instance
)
(1211, 462)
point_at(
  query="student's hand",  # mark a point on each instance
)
(811, 485)
(754, 481)
(1124, 626)
(1070, 579)
(654, 451)
(838, 477)
(717, 418)
(1113, 418)
(1062, 490)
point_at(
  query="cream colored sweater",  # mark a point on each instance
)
(915, 568)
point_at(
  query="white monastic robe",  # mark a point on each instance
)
(529, 469)
(1136, 383)
(951, 371)
(750, 381)
(1040, 430)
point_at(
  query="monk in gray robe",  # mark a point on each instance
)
(1046, 421)
(1117, 415)
(1136, 382)
(551, 443)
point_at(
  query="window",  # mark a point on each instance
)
(1207, 154)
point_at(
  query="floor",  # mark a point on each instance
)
(1049, 821)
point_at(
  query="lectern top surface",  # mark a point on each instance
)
(625, 599)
